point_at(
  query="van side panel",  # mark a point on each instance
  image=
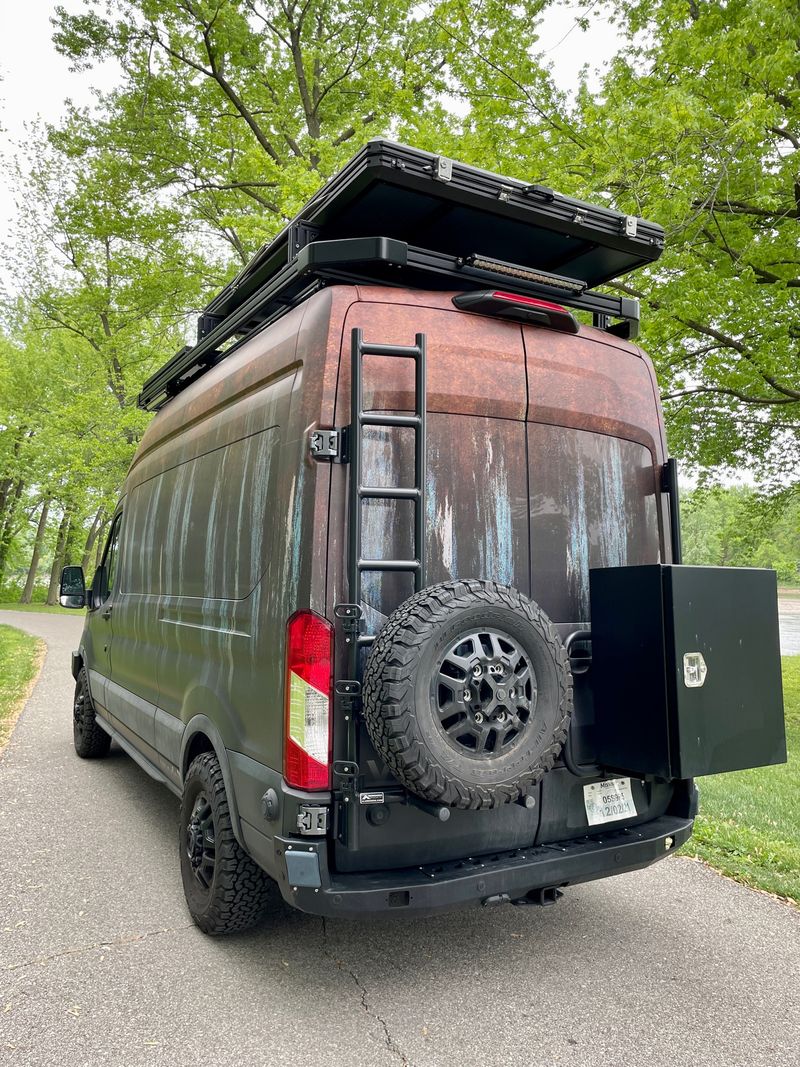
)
(206, 495)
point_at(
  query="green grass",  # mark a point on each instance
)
(55, 609)
(19, 659)
(749, 822)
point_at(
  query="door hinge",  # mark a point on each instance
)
(328, 445)
(312, 820)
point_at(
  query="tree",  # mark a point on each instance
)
(241, 108)
(230, 113)
(739, 528)
(105, 291)
(698, 126)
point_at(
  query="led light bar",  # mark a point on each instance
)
(540, 277)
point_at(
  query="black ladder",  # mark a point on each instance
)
(348, 691)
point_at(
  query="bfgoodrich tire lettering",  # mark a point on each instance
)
(493, 628)
(225, 890)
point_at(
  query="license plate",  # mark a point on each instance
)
(609, 801)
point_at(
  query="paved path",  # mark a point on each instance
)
(789, 617)
(99, 963)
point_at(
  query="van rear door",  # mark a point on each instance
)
(596, 449)
(476, 526)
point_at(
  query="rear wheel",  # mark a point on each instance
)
(225, 890)
(91, 740)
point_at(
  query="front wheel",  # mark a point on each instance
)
(91, 740)
(225, 890)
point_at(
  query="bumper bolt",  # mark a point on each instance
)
(668, 843)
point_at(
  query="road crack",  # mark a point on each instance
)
(390, 1042)
(128, 939)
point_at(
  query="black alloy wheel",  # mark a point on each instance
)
(485, 693)
(225, 889)
(90, 739)
(467, 694)
(200, 842)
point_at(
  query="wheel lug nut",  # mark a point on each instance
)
(467, 696)
(476, 671)
(478, 717)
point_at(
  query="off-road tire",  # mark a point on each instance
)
(398, 694)
(91, 740)
(240, 892)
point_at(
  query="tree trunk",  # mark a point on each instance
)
(94, 530)
(7, 483)
(101, 544)
(7, 529)
(27, 592)
(58, 558)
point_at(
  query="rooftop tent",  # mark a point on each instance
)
(395, 215)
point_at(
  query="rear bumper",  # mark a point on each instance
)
(470, 882)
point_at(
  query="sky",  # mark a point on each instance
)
(36, 80)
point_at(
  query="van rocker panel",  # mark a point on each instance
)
(468, 883)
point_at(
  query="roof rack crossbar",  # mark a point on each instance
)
(370, 260)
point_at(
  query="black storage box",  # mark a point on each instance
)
(686, 669)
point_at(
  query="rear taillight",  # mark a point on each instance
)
(309, 684)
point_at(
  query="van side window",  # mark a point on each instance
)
(108, 568)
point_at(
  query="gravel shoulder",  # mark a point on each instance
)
(100, 964)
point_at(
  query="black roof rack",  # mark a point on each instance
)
(402, 217)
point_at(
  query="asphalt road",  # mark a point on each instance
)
(789, 619)
(99, 963)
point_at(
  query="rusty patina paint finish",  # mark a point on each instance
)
(488, 375)
(502, 488)
(543, 458)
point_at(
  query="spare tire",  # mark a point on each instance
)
(467, 694)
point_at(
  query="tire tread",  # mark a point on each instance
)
(241, 892)
(389, 692)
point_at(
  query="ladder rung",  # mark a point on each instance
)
(388, 492)
(404, 351)
(366, 639)
(409, 351)
(411, 565)
(388, 420)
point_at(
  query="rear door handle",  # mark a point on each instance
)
(107, 613)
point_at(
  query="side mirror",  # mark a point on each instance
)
(72, 593)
